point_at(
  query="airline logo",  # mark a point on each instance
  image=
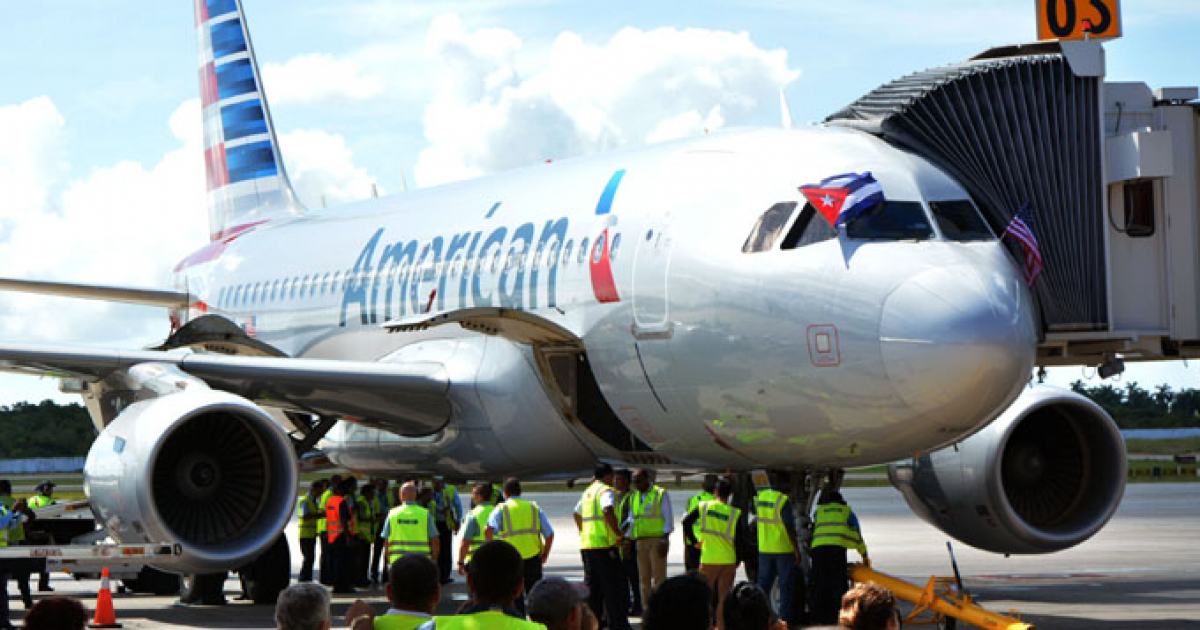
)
(603, 285)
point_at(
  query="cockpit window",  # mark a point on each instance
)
(768, 228)
(808, 229)
(891, 221)
(960, 221)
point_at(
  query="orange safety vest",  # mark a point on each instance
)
(333, 518)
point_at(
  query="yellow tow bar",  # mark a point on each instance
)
(940, 598)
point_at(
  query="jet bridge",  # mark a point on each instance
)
(1110, 173)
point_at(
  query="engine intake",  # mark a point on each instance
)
(206, 469)
(1044, 476)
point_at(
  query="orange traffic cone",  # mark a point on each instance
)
(106, 617)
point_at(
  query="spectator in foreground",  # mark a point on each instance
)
(747, 608)
(869, 606)
(303, 606)
(681, 603)
(495, 579)
(413, 591)
(559, 605)
(56, 613)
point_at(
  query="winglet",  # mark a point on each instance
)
(784, 110)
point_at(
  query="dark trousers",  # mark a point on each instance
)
(531, 569)
(691, 558)
(629, 565)
(326, 570)
(608, 591)
(829, 583)
(308, 549)
(341, 565)
(4, 622)
(444, 559)
(362, 562)
(783, 566)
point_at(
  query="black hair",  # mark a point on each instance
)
(56, 613)
(5, 486)
(484, 490)
(496, 571)
(512, 487)
(747, 608)
(414, 579)
(623, 473)
(679, 603)
(724, 488)
(710, 483)
(603, 469)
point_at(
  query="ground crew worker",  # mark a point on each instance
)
(44, 497)
(778, 547)
(307, 516)
(330, 486)
(475, 524)
(447, 508)
(599, 537)
(691, 555)
(9, 521)
(523, 525)
(835, 529)
(622, 492)
(413, 592)
(409, 528)
(364, 515)
(340, 530)
(16, 536)
(650, 526)
(382, 505)
(494, 579)
(718, 523)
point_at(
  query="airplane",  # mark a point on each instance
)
(680, 306)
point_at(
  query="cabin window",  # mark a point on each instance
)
(891, 221)
(808, 229)
(1139, 209)
(598, 249)
(566, 256)
(960, 221)
(583, 251)
(614, 246)
(768, 227)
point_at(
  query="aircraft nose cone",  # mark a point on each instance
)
(956, 341)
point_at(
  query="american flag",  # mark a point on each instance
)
(1020, 230)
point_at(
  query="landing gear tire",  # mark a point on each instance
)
(205, 588)
(154, 582)
(267, 576)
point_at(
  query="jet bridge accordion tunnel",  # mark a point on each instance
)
(1014, 125)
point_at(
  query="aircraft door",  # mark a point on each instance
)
(651, 268)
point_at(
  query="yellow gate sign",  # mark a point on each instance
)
(1074, 19)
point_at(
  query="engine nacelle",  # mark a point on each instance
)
(202, 468)
(1044, 476)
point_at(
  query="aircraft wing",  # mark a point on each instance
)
(132, 295)
(407, 398)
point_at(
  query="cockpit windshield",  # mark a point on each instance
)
(891, 221)
(958, 220)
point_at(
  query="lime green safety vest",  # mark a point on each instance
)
(832, 527)
(321, 506)
(481, 513)
(768, 512)
(647, 514)
(3, 530)
(521, 526)
(378, 508)
(398, 621)
(449, 516)
(16, 534)
(408, 532)
(365, 517)
(486, 620)
(694, 503)
(306, 529)
(718, 525)
(596, 533)
(39, 501)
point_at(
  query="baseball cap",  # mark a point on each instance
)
(552, 599)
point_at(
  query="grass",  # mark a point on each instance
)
(1167, 446)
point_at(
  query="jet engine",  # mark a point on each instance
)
(202, 468)
(1044, 476)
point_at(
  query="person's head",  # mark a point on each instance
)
(512, 487)
(46, 488)
(303, 606)
(495, 576)
(56, 613)
(831, 496)
(334, 481)
(603, 472)
(747, 608)
(425, 496)
(408, 492)
(316, 488)
(679, 603)
(621, 480)
(481, 493)
(438, 483)
(869, 606)
(380, 484)
(413, 584)
(556, 604)
(709, 484)
(778, 480)
(351, 484)
(641, 479)
(367, 490)
(5, 486)
(724, 489)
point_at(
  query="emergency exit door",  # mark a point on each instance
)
(651, 296)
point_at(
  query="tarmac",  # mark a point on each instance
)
(1141, 571)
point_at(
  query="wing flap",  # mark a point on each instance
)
(132, 295)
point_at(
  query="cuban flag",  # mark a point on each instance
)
(1019, 229)
(842, 198)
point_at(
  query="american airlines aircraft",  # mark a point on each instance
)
(680, 306)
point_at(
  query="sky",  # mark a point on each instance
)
(101, 175)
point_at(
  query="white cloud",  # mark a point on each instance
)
(30, 155)
(317, 77)
(320, 166)
(492, 113)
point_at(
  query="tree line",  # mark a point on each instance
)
(1136, 408)
(45, 429)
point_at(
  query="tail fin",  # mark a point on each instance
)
(246, 180)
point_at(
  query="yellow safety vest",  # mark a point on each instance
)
(831, 527)
(694, 503)
(481, 513)
(16, 534)
(486, 620)
(39, 501)
(3, 530)
(449, 515)
(408, 532)
(365, 517)
(768, 512)
(596, 533)
(718, 526)
(379, 510)
(306, 529)
(399, 621)
(321, 525)
(521, 526)
(647, 514)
